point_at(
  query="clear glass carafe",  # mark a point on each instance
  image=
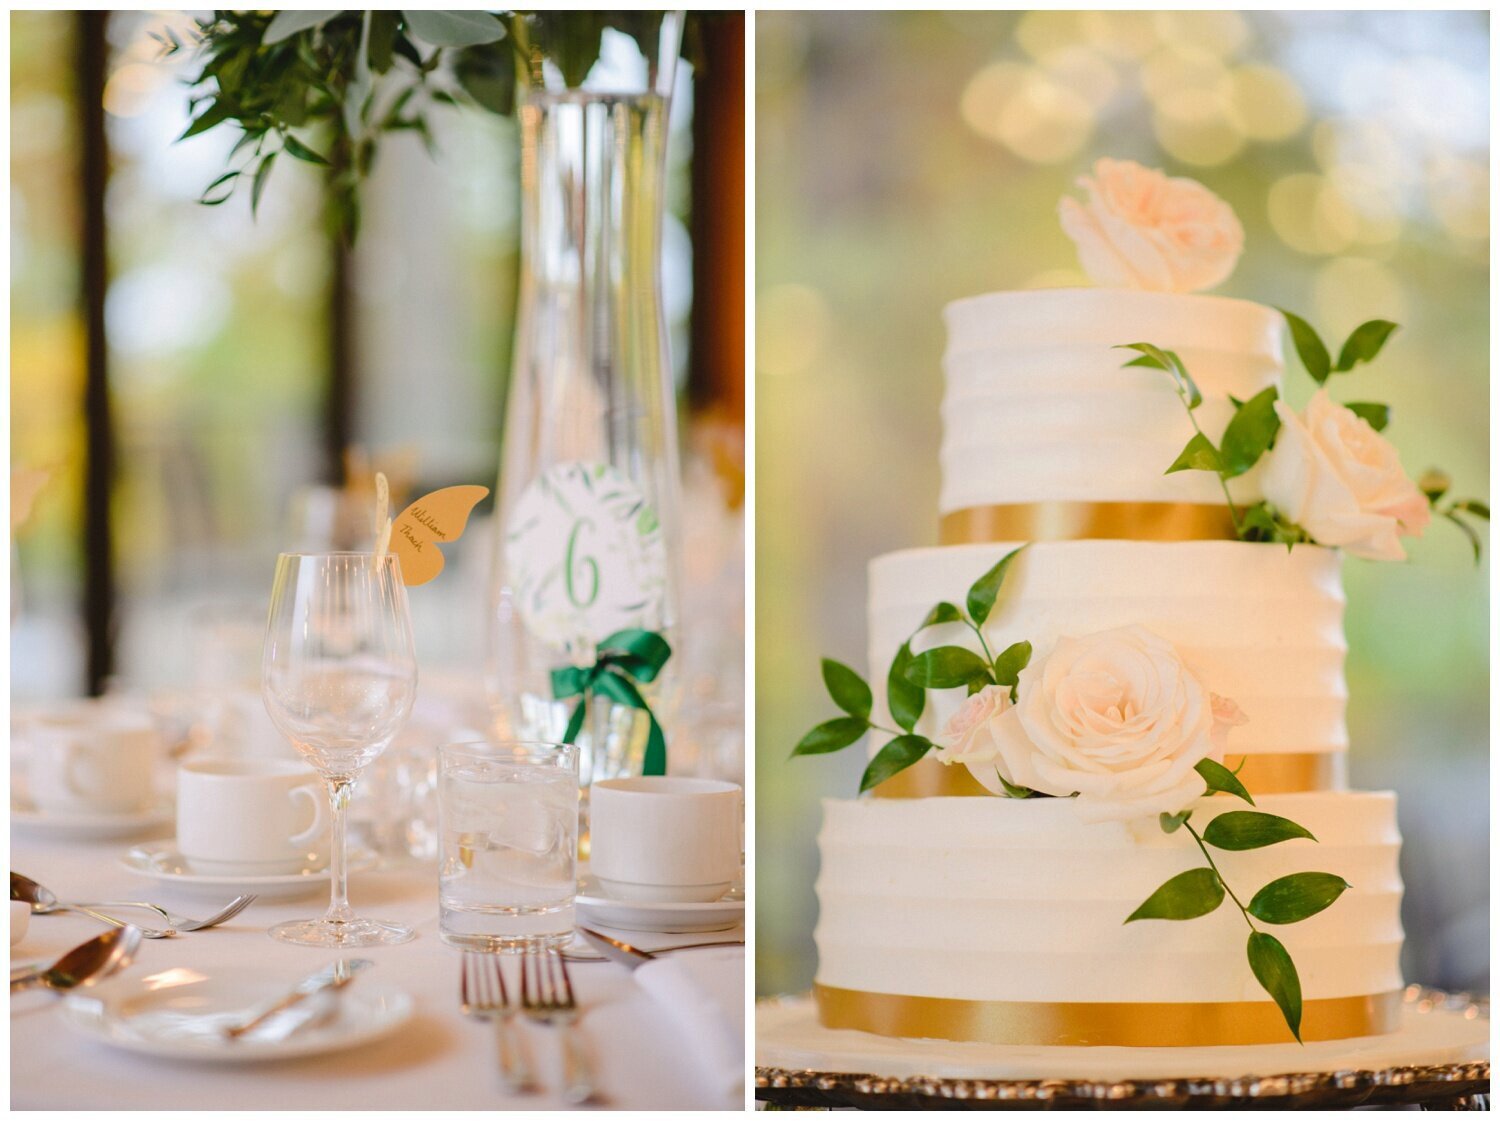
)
(587, 510)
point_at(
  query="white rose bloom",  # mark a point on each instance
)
(1141, 229)
(1115, 718)
(1341, 481)
(969, 737)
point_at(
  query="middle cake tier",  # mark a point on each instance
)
(1257, 623)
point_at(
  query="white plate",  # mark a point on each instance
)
(177, 1013)
(79, 825)
(596, 908)
(160, 861)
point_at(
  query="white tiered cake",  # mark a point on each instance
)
(950, 913)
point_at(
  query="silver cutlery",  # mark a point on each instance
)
(181, 923)
(83, 965)
(594, 937)
(44, 902)
(547, 997)
(482, 995)
(328, 979)
(615, 950)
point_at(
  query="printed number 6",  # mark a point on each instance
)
(572, 565)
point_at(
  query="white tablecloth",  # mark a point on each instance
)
(438, 1060)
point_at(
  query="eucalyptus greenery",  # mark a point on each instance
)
(1285, 900)
(324, 87)
(909, 678)
(1252, 429)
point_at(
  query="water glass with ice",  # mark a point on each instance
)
(508, 818)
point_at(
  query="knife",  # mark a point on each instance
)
(332, 977)
(622, 952)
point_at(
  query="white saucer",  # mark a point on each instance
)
(177, 1014)
(160, 861)
(82, 825)
(596, 908)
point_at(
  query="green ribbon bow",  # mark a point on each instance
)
(624, 659)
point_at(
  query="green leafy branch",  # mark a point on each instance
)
(909, 678)
(1289, 899)
(1362, 345)
(323, 87)
(1249, 434)
(1252, 430)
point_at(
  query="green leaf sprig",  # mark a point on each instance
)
(1288, 899)
(1252, 429)
(323, 87)
(1247, 437)
(909, 678)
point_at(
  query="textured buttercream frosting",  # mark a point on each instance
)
(1256, 623)
(1039, 407)
(1017, 900)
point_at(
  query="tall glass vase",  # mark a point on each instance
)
(588, 544)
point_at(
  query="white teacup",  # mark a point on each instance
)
(87, 759)
(663, 839)
(250, 817)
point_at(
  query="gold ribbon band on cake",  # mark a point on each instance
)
(1299, 772)
(1151, 1024)
(1074, 521)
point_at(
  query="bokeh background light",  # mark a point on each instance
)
(908, 159)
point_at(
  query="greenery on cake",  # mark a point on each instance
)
(1011, 733)
(909, 678)
(1330, 477)
(1285, 900)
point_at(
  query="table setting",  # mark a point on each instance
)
(383, 878)
(164, 930)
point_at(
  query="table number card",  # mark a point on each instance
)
(585, 550)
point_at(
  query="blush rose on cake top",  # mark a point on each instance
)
(1330, 478)
(1126, 724)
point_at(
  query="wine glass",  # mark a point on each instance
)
(338, 677)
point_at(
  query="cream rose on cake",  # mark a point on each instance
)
(1115, 717)
(1332, 474)
(969, 735)
(1143, 229)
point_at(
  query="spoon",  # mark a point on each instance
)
(82, 965)
(44, 902)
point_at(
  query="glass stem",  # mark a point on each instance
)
(338, 872)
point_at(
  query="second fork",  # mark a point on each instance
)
(547, 997)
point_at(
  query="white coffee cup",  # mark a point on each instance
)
(87, 759)
(250, 817)
(664, 839)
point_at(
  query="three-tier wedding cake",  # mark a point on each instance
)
(1113, 809)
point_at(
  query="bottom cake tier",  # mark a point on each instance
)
(1001, 920)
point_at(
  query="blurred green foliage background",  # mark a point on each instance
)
(908, 159)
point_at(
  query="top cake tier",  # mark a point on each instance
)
(1040, 407)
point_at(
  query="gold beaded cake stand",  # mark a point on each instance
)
(1439, 1059)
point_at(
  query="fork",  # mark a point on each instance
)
(182, 923)
(482, 995)
(177, 923)
(547, 998)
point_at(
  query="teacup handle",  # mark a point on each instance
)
(74, 777)
(320, 813)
